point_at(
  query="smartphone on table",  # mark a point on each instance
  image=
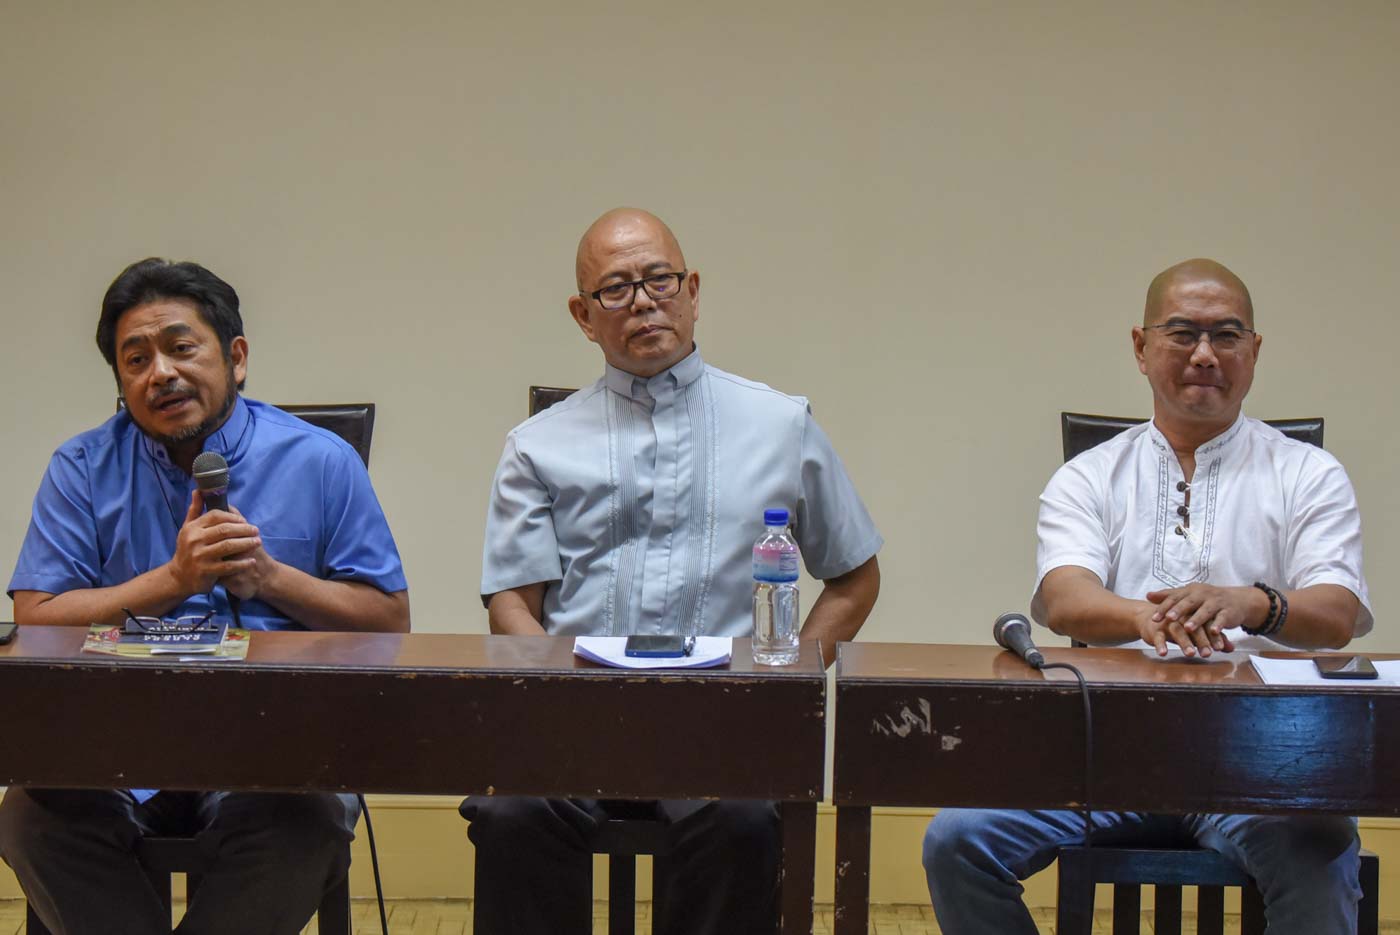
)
(7, 631)
(654, 645)
(1344, 667)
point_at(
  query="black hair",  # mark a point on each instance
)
(152, 279)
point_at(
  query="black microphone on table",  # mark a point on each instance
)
(1013, 632)
(210, 472)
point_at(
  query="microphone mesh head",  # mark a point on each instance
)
(210, 470)
(1004, 621)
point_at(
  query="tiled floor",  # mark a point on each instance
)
(453, 917)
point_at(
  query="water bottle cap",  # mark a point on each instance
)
(775, 517)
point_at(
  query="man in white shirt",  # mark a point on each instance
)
(1203, 530)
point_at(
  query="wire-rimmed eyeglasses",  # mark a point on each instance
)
(1184, 336)
(619, 295)
(187, 624)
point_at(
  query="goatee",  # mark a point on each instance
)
(209, 425)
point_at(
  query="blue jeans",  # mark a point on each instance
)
(1305, 866)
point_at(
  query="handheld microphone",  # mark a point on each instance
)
(210, 472)
(1013, 632)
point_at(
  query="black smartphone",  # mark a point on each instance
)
(7, 631)
(1344, 667)
(654, 645)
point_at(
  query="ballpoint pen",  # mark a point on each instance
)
(689, 645)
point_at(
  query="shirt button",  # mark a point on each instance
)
(1181, 486)
(1182, 511)
(1180, 531)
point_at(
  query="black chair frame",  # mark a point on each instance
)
(160, 856)
(1169, 869)
(621, 839)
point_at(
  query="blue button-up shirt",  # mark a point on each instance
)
(639, 500)
(112, 502)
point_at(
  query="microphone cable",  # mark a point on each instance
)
(1086, 809)
(374, 862)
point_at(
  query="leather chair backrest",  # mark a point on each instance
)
(353, 422)
(1079, 431)
(542, 397)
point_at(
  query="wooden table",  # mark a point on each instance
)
(973, 726)
(424, 713)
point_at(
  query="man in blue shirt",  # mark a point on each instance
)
(119, 526)
(632, 507)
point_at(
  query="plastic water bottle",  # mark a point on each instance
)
(775, 605)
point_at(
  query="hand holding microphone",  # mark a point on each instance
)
(213, 545)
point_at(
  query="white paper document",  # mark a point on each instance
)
(609, 650)
(1303, 672)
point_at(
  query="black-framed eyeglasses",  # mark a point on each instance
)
(619, 295)
(187, 624)
(1184, 336)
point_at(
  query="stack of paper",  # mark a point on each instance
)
(608, 650)
(1303, 672)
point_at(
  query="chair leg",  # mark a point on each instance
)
(1127, 909)
(1251, 911)
(160, 882)
(192, 883)
(333, 915)
(622, 894)
(1368, 910)
(1210, 910)
(659, 870)
(1166, 914)
(33, 925)
(1074, 913)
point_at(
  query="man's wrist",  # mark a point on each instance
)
(1275, 616)
(272, 582)
(1261, 607)
(173, 585)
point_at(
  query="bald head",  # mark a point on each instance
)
(1193, 274)
(616, 225)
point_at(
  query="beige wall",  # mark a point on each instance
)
(935, 219)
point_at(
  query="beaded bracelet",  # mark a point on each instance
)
(1282, 614)
(1272, 621)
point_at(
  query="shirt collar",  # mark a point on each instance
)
(682, 373)
(229, 440)
(1216, 447)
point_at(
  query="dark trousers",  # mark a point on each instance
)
(534, 866)
(272, 857)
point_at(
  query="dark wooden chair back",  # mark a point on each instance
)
(542, 397)
(160, 856)
(1079, 431)
(1128, 869)
(621, 839)
(353, 422)
(1169, 869)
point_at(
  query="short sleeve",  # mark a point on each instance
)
(1323, 543)
(358, 543)
(1071, 528)
(521, 547)
(834, 530)
(60, 551)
